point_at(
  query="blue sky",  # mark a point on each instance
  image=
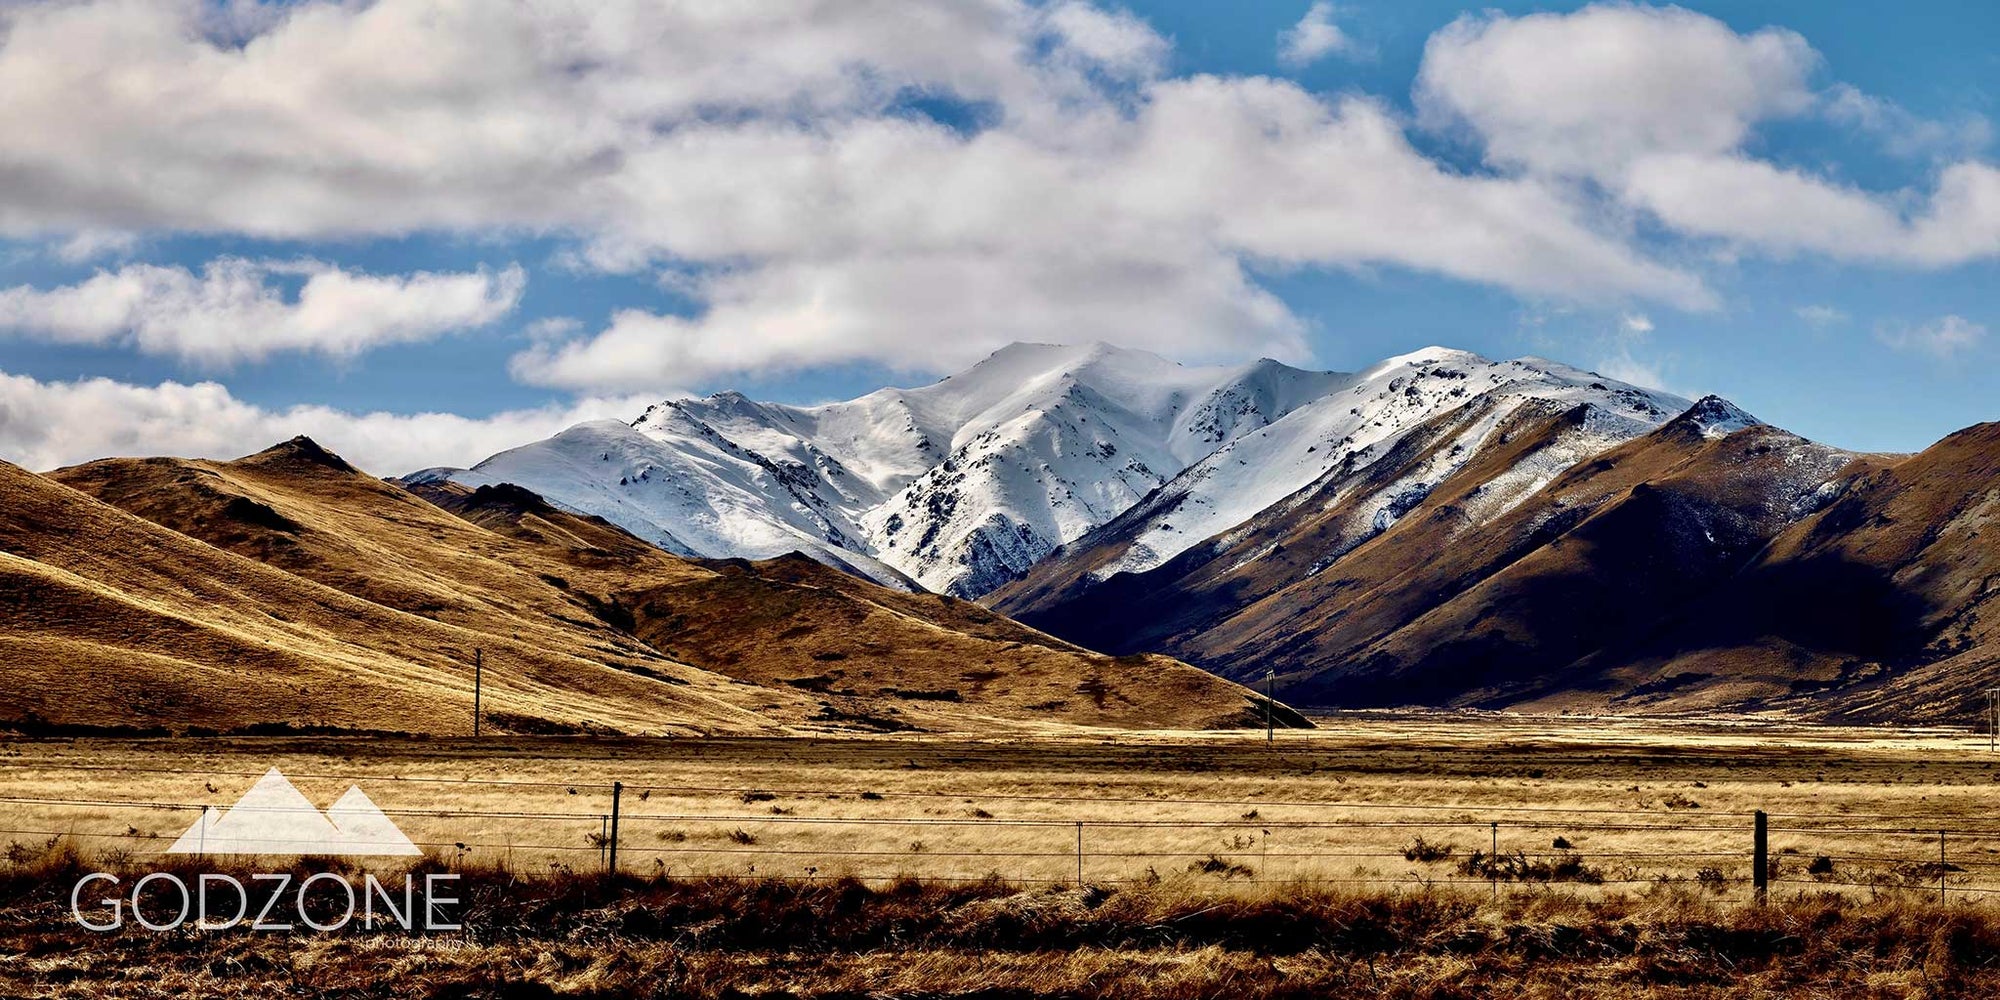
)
(280, 228)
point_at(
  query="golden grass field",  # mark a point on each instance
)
(1215, 864)
(1627, 804)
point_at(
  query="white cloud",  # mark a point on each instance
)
(1142, 243)
(1657, 106)
(1314, 37)
(1820, 317)
(1943, 338)
(1112, 40)
(1591, 92)
(1636, 324)
(1625, 367)
(232, 311)
(1782, 211)
(44, 425)
(91, 244)
(765, 159)
(1903, 133)
(764, 154)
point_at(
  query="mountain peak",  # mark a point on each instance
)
(298, 451)
(1433, 354)
(1714, 417)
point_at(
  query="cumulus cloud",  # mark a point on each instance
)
(233, 311)
(775, 162)
(1115, 41)
(44, 425)
(1820, 317)
(1944, 338)
(1589, 93)
(1142, 244)
(1313, 38)
(767, 156)
(1657, 105)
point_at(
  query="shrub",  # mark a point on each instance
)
(1422, 850)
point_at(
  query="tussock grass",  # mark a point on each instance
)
(597, 935)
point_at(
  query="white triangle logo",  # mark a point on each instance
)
(273, 818)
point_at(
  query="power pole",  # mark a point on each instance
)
(478, 682)
(1270, 726)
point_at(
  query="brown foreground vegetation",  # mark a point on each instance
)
(598, 936)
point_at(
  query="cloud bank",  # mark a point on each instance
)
(912, 185)
(778, 155)
(48, 424)
(233, 312)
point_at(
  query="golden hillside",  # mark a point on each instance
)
(289, 587)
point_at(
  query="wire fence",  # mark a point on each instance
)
(952, 836)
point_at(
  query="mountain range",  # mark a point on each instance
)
(1435, 529)
(1058, 536)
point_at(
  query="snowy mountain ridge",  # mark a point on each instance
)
(960, 486)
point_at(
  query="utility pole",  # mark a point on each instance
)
(478, 682)
(1270, 726)
(1993, 718)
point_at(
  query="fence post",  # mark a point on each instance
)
(1760, 845)
(617, 790)
(1079, 854)
(1941, 867)
(1493, 864)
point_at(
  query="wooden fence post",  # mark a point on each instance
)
(617, 790)
(1760, 864)
(1079, 854)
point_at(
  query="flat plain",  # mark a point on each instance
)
(1391, 800)
(1354, 859)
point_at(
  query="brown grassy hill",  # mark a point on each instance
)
(873, 657)
(110, 619)
(569, 600)
(1892, 592)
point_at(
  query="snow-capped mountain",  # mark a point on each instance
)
(1537, 566)
(960, 485)
(1354, 425)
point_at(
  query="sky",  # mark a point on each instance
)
(424, 231)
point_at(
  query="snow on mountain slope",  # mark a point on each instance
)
(960, 484)
(1352, 427)
(683, 487)
(1069, 447)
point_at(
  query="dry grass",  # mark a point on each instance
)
(1591, 808)
(596, 936)
(738, 896)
